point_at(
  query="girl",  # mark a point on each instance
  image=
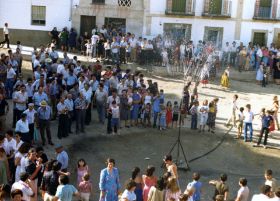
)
(85, 187)
(129, 194)
(149, 180)
(225, 81)
(259, 76)
(162, 118)
(88, 48)
(204, 109)
(175, 116)
(139, 183)
(82, 169)
(211, 117)
(168, 114)
(173, 191)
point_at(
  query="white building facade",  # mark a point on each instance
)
(219, 21)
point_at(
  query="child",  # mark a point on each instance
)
(204, 109)
(225, 80)
(168, 114)
(88, 48)
(175, 115)
(264, 80)
(162, 118)
(85, 188)
(147, 115)
(194, 114)
(183, 114)
(19, 46)
(115, 117)
(240, 122)
(195, 184)
(164, 55)
(270, 181)
(82, 169)
(259, 76)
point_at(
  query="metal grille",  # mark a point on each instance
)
(124, 3)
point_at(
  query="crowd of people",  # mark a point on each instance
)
(69, 91)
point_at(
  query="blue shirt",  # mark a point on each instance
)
(65, 192)
(62, 157)
(266, 121)
(69, 104)
(94, 85)
(44, 114)
(71, 80)
(197, 186)
(38, 98)
(156, 104)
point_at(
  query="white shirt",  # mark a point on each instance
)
(243, 193)
(11, 73)
(120, 88)
(22, 126)
(133, 42)
(30, 115)
(22, 97)
(275, 199)
(182, 49)
(60, 68)
(115, 112)
(260, 197)
(10, 146)
(26, 190)
(36, 63)
(94, 39)
(6, 30)
(111, 99)
(234, 105)
(259, 53)
(128, 195)
(248, 117)
(87, 94)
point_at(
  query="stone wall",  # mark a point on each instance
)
(28, 37)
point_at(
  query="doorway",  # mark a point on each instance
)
(87, 24)
(259, 38)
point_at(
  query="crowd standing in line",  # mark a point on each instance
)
(67, 90)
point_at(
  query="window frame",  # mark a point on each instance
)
(98, 2)
(38, 22)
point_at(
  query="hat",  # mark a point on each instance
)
(30, 104)
(57, 146)
(43, 103)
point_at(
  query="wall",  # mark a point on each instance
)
(18, 14)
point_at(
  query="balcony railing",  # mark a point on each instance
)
(267, 12)
(180, 7)
(217, 8)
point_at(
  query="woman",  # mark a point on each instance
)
(252, 57)
(109, 183)
(139, 183)
(275, 110)
(149, 180)
(276, 74)
(242, 59)
(170, 166)
(82, 169)
(173, 191)
(136, 99)
(156, 193)
(4, 167)
(124, 108)
(128, 194)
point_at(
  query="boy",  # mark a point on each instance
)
(194, 114)
(115, 110)
(147, 115)
(240, 122)
(267, 120)
(197, 185)
(161, 96)
(65, 191)
(270, 181)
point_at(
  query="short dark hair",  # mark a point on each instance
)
(277, 192)
(56, 166)
(16, 192)
(168, 157)
(130, 185)
(160, 184)
(243, 181)
(135, 172)
(10, 133)
(196, 176)
(150, 171)
(268, 172)
(110, 160)
(223, 177)
(265, 189)
(23, 176)
(64, 179)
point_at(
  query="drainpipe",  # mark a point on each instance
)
(70, 17)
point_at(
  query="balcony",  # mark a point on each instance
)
(217, 8)
(267, 10)
(180, 7)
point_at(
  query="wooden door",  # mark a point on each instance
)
(87, 24)
(278, 41)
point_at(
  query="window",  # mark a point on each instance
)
(124, 3)
(98, 1)
(216, 7)
(38, 15)
(179, 6)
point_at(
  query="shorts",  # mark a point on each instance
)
(175, 117)
(115, 122)
(85, 196)
(240, 124)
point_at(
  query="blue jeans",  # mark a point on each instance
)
(194, 122)
(115, 58)
(101, 112)
(155, 119)
(9, 87)
(245, 131)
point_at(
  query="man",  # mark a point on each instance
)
(51, 181)
(87, 92)
(10, 144)
(22, 127)
(94, 40)
(6, 36)
(248, 122)
(65, 191)
(25, 185)
(62, 157)
(269, 180)
(11, 76)
(115, 46)
(4, 109)
(54, 35)
(110, 100)
(54, 55)
(81, 105)
(234, 108)
(221, 188)
(100, 98)
(39, 96)
(264, 195)
(70, 106)
(133, 42)
(44, 116)
(243, 192)
(20, 99)
(29, 89)
(62, 129)
(31, 117)
(233, 54)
